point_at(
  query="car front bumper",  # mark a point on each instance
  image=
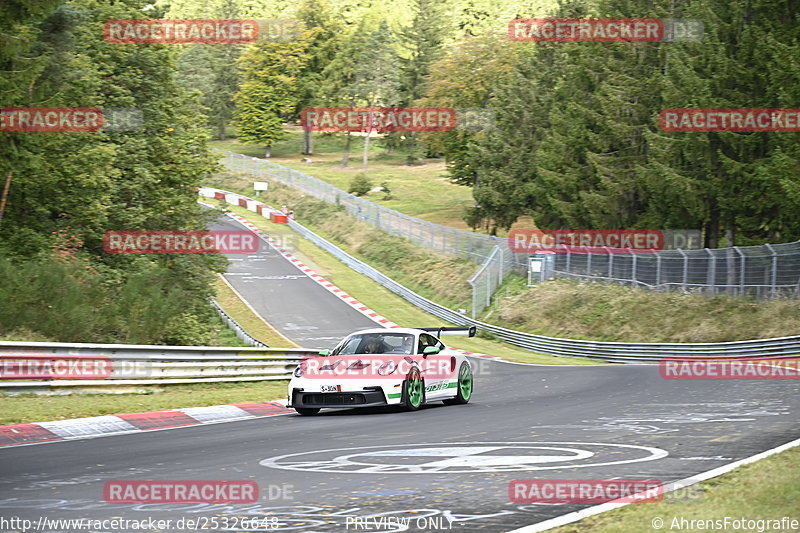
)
(364, 398)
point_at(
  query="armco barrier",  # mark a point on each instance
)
(136, 365)
(239, 330)
(782, 347)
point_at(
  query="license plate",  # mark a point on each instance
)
(329, 388)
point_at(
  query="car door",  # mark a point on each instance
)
(435, 385)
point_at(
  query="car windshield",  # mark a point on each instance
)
(383, 343)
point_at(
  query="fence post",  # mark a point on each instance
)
(742, 261)
(685, 267)
(502, 265)
(610, 264)
(712, 271)
(633, 267)
(658, 269)
(774, 274)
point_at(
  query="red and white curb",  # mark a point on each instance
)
(104, 426)
(259, 207)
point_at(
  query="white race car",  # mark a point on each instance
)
(375, 367)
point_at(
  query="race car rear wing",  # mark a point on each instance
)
(448, 330)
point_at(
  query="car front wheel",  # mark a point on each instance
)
(413, 390)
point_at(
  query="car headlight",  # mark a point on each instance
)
(298, 372)
(387, 368)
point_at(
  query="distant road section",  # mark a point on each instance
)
(288, 299)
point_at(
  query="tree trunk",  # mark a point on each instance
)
(366, 150)
(4, 198)
(308, 149)
(346, 156)
(712, 226)
(268, 152)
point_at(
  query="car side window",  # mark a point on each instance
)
(427, 340)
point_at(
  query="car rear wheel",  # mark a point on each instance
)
(413, 390)
(307, 411)
(463, 387)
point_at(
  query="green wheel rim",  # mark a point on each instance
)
(465, 382)
(415, 391)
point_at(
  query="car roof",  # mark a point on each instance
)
(411, 331)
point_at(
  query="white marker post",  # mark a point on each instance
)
(259, 186)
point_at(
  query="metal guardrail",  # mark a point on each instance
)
(765, 271)
(137, 365)
(605, 351)
(468, 245)
(239, 330)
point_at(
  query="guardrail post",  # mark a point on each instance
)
(610, 263)
(633, 267)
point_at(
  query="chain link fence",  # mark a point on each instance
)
(762, 271)
(765, 271)
(492, 253)
(475, 247)
(490, 275)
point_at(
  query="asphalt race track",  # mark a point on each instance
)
(290, 301)
(443, 468)
(455, 462)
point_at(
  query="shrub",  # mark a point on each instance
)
(360, 185)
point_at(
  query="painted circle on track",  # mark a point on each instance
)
(464, 457)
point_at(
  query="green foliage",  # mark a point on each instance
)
(69, 188)
(360, 185)
(578, 142)
(269, 92)
(69, 299)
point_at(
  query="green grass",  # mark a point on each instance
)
(386, 302)
(247, 318)
(766, 489)
(435, 276)
(603, 312)
(423, 191)
(17, 409)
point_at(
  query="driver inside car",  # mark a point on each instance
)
(374, 345)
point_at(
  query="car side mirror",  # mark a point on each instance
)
(324, 352)
(430, 350)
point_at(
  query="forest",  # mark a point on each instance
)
(575, 139)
